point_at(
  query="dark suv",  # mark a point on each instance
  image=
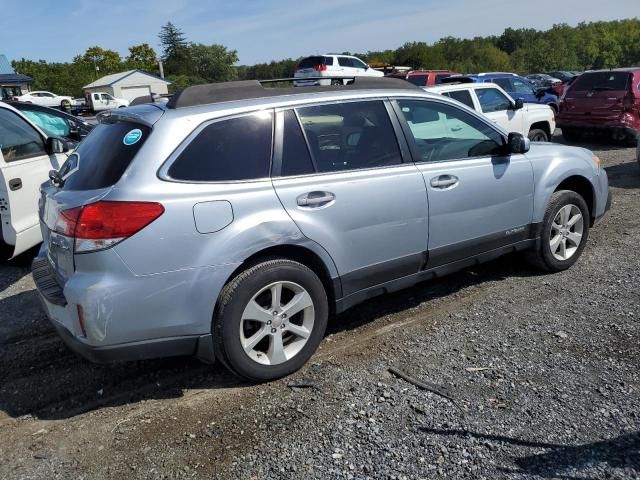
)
(604, 100)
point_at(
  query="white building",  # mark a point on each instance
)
(129, 85)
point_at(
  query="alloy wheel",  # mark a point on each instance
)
(566, 232)
(277, 323)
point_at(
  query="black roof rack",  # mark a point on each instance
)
(247, 89)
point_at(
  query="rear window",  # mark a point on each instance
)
(463, 96)
(102, 157)
(419, 80)
(234, 149)
(601, 81)
(311, 62)
(440, 77)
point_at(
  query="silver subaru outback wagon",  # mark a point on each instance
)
(231, 222)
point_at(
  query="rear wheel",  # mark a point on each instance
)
(565, 230)
(65, 105)
(538, 135)
(270, 319)
(336, 81)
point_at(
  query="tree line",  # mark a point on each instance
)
(592, 45)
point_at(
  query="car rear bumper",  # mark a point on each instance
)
(624, 122)
(116, 316)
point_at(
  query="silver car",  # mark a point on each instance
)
(231, 222)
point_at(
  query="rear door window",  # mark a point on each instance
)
(103, 156)
(296, 159)
(463, 96)
(228, 150)
(350, 136)
(588, 82)
(345, 62)
(18, 139)
(504, 83)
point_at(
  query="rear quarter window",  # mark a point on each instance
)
(227, 150)
(104, 155)
(311, 62)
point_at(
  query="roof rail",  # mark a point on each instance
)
(247, 89)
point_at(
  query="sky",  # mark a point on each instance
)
(264, 30)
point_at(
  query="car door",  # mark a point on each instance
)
(24, 166)
(479, 198)
(362, 69)
(48, 99)
(500, 109)
(340, 176)
(347, 67)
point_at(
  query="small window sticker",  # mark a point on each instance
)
(132, 137)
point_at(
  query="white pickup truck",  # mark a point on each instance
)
(27, 155)
(530, 119)
(98, 102)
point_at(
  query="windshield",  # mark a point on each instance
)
(52, 125)
(102, 157)
(601, 81)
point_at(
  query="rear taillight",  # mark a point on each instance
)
(103, 224)
(627, 102)
(320, 68)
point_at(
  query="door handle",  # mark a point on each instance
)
(315, 199)
(444, 181)
(15, 184)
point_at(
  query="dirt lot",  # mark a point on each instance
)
(544, 370)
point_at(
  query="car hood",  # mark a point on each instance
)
(537, 107)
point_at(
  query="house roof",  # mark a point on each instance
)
(5, 66)
(14, 78)
(109, 80)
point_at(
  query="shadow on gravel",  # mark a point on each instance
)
(594, 142)
(505, 267)
(40, 377)
(624, 175)
(560, 460)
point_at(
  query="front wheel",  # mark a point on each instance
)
(565, 230)
(538, 135)
(270, 319)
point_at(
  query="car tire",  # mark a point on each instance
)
(564, 233)
(571, 134)
(538, 135)
(65, 105)
(336, 82)
(272, 346)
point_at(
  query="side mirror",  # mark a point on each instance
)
(518, 143)
(519, 104)
(56, 145)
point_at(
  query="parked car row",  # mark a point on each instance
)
(92, 102)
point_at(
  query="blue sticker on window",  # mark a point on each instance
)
(132, 137)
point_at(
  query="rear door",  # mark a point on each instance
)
(479, 198)
(24, 166)
(342, 179)
(597, 94)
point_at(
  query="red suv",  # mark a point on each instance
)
(603, 100)
(427, 78)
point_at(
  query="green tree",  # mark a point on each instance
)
(142, 57)
(103, 61)
(213, 63)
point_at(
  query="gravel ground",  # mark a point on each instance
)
(541, 372)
